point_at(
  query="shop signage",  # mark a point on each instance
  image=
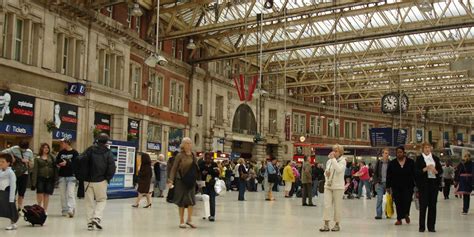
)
(154, 146)
(174, 139)
(102, 122)
(133, 130)
(380, 137)
(287, 128)
(65, 118)
(76, 89)
(419, 135)
(16, 113)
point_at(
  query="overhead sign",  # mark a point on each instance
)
(102, 122)
(16, 113)
(380, 137)
(133, 130)
(65, 118)
(76, 89)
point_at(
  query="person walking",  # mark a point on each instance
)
(364, 178)
(334, 188)
(145, 175)
(161, 175)
(289, 178)
(96, 168)
(183, 177)
(22, 163)
(169, 165)
(465, 171)
(380, 180)
(400, 183)
(209, 174)
(271, 177)
(448, 177)
(307, 182)
(428, 181)
(7, 191)
(66, 160)
(243, 178)
(44, 176)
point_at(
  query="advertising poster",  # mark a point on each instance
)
(419, 135)
(124, 156)
(102, 122)
(65, 120)
(133, 130)
(17, 113)
(175, 137)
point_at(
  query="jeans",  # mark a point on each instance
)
(242, 186)
(315, 188)
(67, 192)
(380, 189)
(466, 199)
(209, 190)
(365, 183)
(96, 199)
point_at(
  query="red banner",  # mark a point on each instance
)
(242, 87)
(252, 88)
(241, 97)
(287, 127)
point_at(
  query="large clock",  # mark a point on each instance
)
(404, 103)
(390, 103)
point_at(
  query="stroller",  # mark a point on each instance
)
(349, 187)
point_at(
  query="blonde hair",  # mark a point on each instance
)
(425, 144)
(467, 156)
(184, 141)
(240, 160)
(338, 147)
(161, 157)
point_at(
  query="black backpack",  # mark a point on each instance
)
(34, 214)
(83, 167)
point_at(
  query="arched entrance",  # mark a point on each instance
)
(244, 123)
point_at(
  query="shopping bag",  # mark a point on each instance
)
(389, 206)
(220, 187)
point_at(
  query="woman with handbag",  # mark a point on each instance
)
(45, 173)
(463, 179)
(243, 177)
(272, 178)
(183, 176)
(334, 188)
(145, 175)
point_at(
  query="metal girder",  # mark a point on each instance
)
(278, 16)
(376, 33)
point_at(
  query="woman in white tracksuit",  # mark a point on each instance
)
(334, 188)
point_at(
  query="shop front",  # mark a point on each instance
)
(16, 118)
(102, 123)
(154, 139)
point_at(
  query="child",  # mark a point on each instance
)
(7, 191)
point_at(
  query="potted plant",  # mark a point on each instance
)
(50, 125)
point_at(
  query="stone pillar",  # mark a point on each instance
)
(119, 127)
(259, 151)
(43, 112)
(164, 140)
(228, 142)
(143, 134)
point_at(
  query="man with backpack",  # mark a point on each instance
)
(96, 167)
(23, 157)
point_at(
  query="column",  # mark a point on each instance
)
(165, 140)
(43, 112)
(259, 152)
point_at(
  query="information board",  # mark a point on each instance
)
(124, 156)
(380, 137)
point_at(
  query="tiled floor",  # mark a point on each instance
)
(255, 217)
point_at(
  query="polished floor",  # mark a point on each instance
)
(254, 217)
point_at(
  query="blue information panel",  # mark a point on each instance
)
(380, 137)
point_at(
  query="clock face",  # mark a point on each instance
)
(404, 103)
(390, 103)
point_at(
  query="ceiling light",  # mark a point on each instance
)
(191, 45)
(155, 59)
(290, 92)
(136, 10)
(323, 101)
(425, 6)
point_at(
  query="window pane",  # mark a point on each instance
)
(18, 39)
(65, 54)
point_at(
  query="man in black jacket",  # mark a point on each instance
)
(99, 162)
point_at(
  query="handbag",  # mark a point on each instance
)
(273, 178)
(389, 206)
(220, 187)
(19, 167)
(189, 179)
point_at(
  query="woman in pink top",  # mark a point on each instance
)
(364, 177)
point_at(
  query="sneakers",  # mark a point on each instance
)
(71, 213)
(11, 227)
(336, 228)
(90, 226)
(464, 213)
(96, 223)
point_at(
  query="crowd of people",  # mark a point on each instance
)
(187, 178)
